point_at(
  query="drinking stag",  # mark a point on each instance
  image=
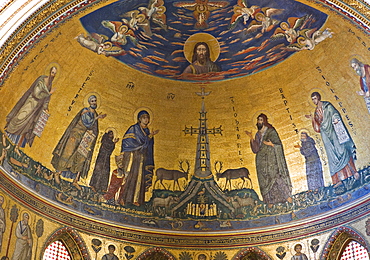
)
(232, 174)
(175, 175)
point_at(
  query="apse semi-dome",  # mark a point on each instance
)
(206, 117)
(158, 38)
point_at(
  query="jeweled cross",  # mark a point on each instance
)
(202, 160)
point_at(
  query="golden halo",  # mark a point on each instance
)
(114, 130)
(214, 46)
(200, 8)
(259, 17)
(109, 44)
(304, 130)
(197, 256)
(270, 118)
(86, 99)
(108, 244)
(301, 40)
(49, 66)
(146, 109)
(161, 9)
(355, 56)
(123, 28)
(140, 18)
(20, 216)
(293, 252)
(322, 93)
(284, 24)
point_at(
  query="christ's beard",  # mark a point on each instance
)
(202, 59)
(259, 126)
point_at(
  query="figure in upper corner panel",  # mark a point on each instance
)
(363, 70)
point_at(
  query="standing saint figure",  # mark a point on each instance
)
(299, 255)
(100, 177)
(201, 60)
(23, 244)
(2, 221)
(22, 120)
(137, 161)
(340, 149)
(362, 70)
(272, 171)
(72, 155)
(314, 173)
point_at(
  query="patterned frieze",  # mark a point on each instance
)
(158, 237)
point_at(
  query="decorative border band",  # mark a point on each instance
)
(160, 238)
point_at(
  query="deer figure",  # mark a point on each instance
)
(232, 174)
(175, 175)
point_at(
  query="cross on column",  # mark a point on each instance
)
(202, 160)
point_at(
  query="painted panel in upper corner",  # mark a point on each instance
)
(203, 40)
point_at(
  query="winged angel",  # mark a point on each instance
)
(291, 30)
(243, 13)
(138, 20)
(263, 20)
(202, 10)
(309, 38)
(98, 43)
(156, 13)
(121, 32)
(143, 17)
